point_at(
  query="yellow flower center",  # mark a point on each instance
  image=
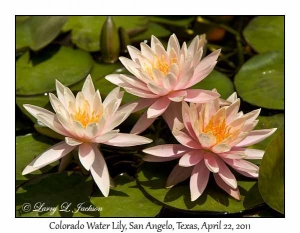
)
(160, 64)
(220, 130)
(85, 117)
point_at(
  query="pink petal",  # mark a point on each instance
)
(130, 65)
(185, 79)
(242, 165)
(168, 150)
(200, 96)
(92, 130)
(54, 153)
(123, 140)
(133, 81)
(100, 173)
(170, 81)
(105, 137)
(226, 174)
(232, 110)
(254, 153)
(173, 116)
(173, 43)
(140, 93)
(178, 175)
(210, 162)
(147, 51)
(187, 120)
(235, 193)
(72, 141)
(206, 139)
(191, 158)
(35, 110)
(221, 148)
(111, 97)
(158, 107)
(250, 174)
(113, 122)
(60, 92)
(88, 89)
(232, 97)
(208, 61)
(186, 140)
(199, 180)
(256, 136)
(157, 90)
(234, 154)
(177, 96)
(86, 155)
(142, 124)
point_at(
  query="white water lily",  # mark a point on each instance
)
(85, 121)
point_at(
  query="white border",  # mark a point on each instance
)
(197, 7)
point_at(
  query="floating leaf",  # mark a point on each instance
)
(153, 29)
(86, 29)
(260, 81)
(125, 200)
(153, 176)
(219, 81)
(271, 174)
(179, 21)
(38, 31)
(265, 33)
(27, 148)
(56, 191)
(67, 65)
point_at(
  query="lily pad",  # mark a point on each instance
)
(271, 174)
(67, 65)
(27, 148)
(38, 31)
(179, 21)
(125, 200)
(153, 29)
(64, 191)
(265, 33)
(86, 30)
(153, 176)
(260, 81)
(219, 81)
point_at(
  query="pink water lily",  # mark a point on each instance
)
(85, 121)
(213, 137)
(162, 78)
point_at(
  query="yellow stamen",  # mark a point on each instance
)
(160, 64)
(220, 130)
(84, 116)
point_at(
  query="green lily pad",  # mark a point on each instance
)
(153, 176)
(86, 30)
(38, 31)
(27, 148)
(125, 200)
(179, 21)
(153, 29)
(219, 81)
(56, 191)
(67, 65)
(265, 33)
(260, 81)
(271, 174)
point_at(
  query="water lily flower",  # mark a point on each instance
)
(85, 121)
(214, 137)
(162, 78)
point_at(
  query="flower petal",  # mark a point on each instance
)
(158, 107)
(142, 124)
(226, 174)
(157, 90)
(123, 139)
(178, 175)
(221, 148)
(140, 93)
(53, 123)
(86, 155)
(210, 162)
(199, 180)
(242, 165)
(52, 154)
(173, 116)
(167, 150)
(177, 96)
(107, 136)
(186, 140)
(187, 120)
(256, 136)
(191, 158)
(152, 158)
(111, 97)
(140, 104)
(92, 130)
(88, 89)
(235, 193)
(72, 141)
(206, 139)
(254, 153)
(200, 96)
(170, 81)
(100, 173)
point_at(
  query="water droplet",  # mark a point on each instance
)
(45, 94)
